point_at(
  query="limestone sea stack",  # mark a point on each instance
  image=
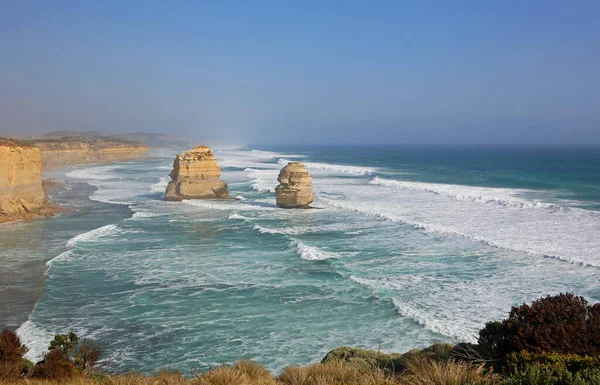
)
(295, 187)
(196, 175)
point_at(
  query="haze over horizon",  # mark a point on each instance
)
(514, 72)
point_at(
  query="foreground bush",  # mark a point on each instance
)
(564, 323)
(553, 341)
(56, 365)
(11, 355)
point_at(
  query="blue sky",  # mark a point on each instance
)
(305, 72)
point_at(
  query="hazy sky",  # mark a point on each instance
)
(305, 72)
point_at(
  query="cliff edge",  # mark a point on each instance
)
(196, 175)
(68, 151)
(21, 192)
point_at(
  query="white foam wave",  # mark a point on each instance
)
(264, 154)
(311, 253)
(500, 196)
(273, 155)
(161, 185)
(238, 217)
(526, 239)
(94, 173)
(36, 339)
(266, 230)
(297, 230)
(335, 168)
(435, 323)
(226, 205)
(449, 329)
(144, 214)
(64, 256)
(262, 180)
(93, 235)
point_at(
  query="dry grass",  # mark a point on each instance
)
(334, 373)
(421, 371)
(424, 371)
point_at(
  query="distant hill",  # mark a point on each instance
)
(149, 139)
(156, 140)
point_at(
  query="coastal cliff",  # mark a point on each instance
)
(295, 187)
(196, 175)
(69, 151)
(21, 192)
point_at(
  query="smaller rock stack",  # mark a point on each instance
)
(295, 187)
(196, 175)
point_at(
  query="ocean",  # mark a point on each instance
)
(405, 247)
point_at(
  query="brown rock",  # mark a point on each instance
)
(21, 192)
(295, 187)
(196, 175)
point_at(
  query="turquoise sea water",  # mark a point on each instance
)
(408, 246)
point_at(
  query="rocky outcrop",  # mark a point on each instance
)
(70, 151)
(295, 187)
(196, 175)
(21, 192)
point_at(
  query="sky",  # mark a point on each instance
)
(305, 72)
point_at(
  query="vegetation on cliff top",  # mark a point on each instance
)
(92, 140)
(14, 143)
(553, 341)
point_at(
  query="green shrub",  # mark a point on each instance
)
(65, 342)
(26, 367)
(67, 355)
(527, 368)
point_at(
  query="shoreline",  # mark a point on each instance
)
(30, 244)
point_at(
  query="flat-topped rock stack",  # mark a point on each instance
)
(295, 187)
(196, 175)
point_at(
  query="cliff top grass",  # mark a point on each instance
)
(14, 143)
(85, 139)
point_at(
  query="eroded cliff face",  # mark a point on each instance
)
(196, 175)
(21, 192)
(295, 187)
(70, 152)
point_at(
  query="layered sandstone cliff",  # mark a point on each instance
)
(196, 175)
(21, 192)
(295, 187)
(71, 151)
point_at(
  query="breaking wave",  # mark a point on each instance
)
(450, 329)
(93, 235)
(311, 253)
(499, 196)
(335, 168)
(387, 214)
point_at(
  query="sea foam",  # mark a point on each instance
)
(311, 253)
(334, 168)
(93, 235)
